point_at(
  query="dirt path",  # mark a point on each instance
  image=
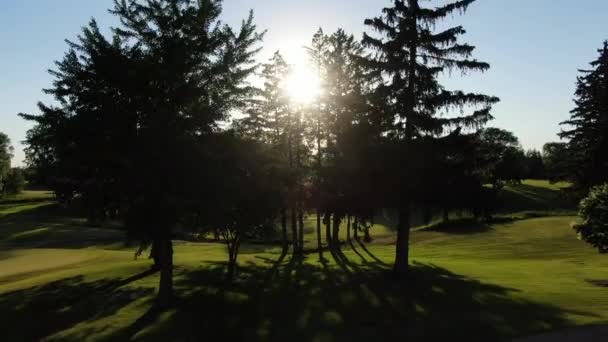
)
(579, 334)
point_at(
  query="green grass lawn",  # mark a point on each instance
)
(62, 280)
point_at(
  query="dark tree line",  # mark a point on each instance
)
(12, 179)
(136, 131)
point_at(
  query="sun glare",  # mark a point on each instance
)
(302, 85)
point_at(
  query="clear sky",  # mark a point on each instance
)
(534, 46)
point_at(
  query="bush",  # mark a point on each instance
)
(14, 182)
(594, 212)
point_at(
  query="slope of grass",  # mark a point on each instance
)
(537, 195)
(62, 280)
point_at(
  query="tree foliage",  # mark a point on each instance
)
(134, 112)
(6, 153)
(593, 211)
(587, 128)
(410, 54)
(502, 157)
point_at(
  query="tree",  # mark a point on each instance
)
(587, 128)
(317, 57)
(410, 55)
(247, 198)
(501, 156)
(594, 212)
(266, 120)
(558, 161)
(535, 166)
(134, 113)
(6, 153)
(14, 182)
(340, 104)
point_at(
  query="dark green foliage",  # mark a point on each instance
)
(14, 182)
(6, 153)
(409, 56)
(246, 200)
(135, 111)
(501, 157)
(535, 166)
(587, 128)
(593, 210)
(558, 161)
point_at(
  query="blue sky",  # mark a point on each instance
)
(535, 48)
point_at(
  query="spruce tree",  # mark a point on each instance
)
(409, 56)
(135, 116)
(317, 57)
(587, 128)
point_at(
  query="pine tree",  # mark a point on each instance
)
(587, 128)
(410, 55)
(317, 57)
(136, 115)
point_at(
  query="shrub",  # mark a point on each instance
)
(594, 211)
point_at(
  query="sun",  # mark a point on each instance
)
(302, 85)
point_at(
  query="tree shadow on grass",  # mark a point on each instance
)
(465, 226)
(48, 227)
(38, 312)
(520, 197)
(306, 302)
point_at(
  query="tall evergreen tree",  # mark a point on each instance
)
(316, 54)
(410, 55)
(587, 128)
(135, 114)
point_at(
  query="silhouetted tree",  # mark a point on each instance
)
(266, 120)
(247, 199)
(410, 56)
(317, 56)
(133, 113)
(587, 128)
(558, 161)
(535, 166)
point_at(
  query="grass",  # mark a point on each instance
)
(61, 280)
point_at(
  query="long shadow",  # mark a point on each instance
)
(370, 254)
(48, 226)
(310, 302)
(302, 302)
(38, 312)
(529, 197)
(356, 251)
(464, 226)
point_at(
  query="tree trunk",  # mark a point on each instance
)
(154, 255)
(294, 232)
(328, 230)
(284, 231)
(233, 252)
(319, 243)
(401, 265)
(336, 232)
(348, 228)
(165, 288)
(446, 215)
(301, 231)
(356, 229)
